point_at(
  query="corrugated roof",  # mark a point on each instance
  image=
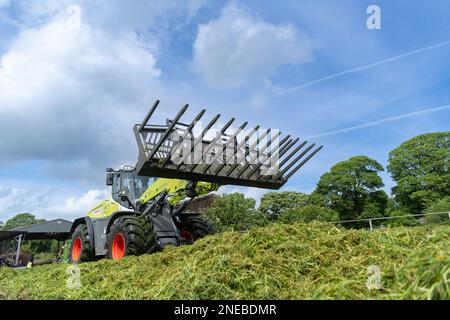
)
(58, 229)
(58, 225)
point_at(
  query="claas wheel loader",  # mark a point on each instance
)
(178, 164)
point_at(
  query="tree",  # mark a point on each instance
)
(234, 212)
(442, 205)
(420, 167)
(21, 220)
(353, 189)
(308, 213)
(2, 224)
(274, 204)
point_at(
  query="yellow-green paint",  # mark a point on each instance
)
(171, 185)
(176, 189)
(104, 209)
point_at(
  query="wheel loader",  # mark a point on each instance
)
(178, 164)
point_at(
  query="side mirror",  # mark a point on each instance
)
(109, 178)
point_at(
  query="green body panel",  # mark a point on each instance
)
(176, 188)
(104, 209)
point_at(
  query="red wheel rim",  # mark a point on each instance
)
(76, 249)
(118, 247)
(187, 235)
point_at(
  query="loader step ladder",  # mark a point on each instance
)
(246, 157)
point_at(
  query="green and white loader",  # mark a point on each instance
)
(180, 163)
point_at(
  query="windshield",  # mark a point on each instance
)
(134, 185)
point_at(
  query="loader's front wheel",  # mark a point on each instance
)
(131, 236)
(80, 248)
(194, 228)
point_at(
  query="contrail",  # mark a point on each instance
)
(382, 121)
(357, 69)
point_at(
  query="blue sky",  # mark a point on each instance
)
(69, 97)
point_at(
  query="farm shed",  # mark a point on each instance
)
(11, 240)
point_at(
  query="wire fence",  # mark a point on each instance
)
(370, 221)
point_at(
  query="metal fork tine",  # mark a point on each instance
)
(292, 153)
(185, 134)
(303, 162)
(261, 150)
(210, 124)
(167, 132)
(239, 146)
(269, 155)
(288, 147)
(230, 140)
(149, 115)
(253, 146)
(211, 145)
(294, 161)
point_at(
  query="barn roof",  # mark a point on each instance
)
(58, 229)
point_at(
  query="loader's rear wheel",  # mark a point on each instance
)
(80, 248)
(193, 228)
(131, 236)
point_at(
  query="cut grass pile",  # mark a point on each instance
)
(302, 261)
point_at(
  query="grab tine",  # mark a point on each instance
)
(211, 145)
(168, 132)
(242, 127)
(239, 146)
(269, 155)
(186, 133)
(149, 115)
(303, 162)
(295, 161)
(262, 150)
(253, 146)
(292, 153)
(288, 147)
(209, 126)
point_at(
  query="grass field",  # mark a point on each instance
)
(304, 261)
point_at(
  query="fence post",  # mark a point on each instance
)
(370, 223)
(19, 244)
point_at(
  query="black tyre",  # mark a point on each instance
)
(131, 236)
(193, 228)
(80, 249)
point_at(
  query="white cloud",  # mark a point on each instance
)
(238, 48)
(4, 3)
(71, 95)
(78, 207)
(16, 200)
(47, 203)
(255, 193)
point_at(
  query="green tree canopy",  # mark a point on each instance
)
(274, 204)
(420, 167)
(308, 213)
(21, 220)
(353, 189)
(234, 212)
(27, 219)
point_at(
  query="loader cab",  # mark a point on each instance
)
(127, 186)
